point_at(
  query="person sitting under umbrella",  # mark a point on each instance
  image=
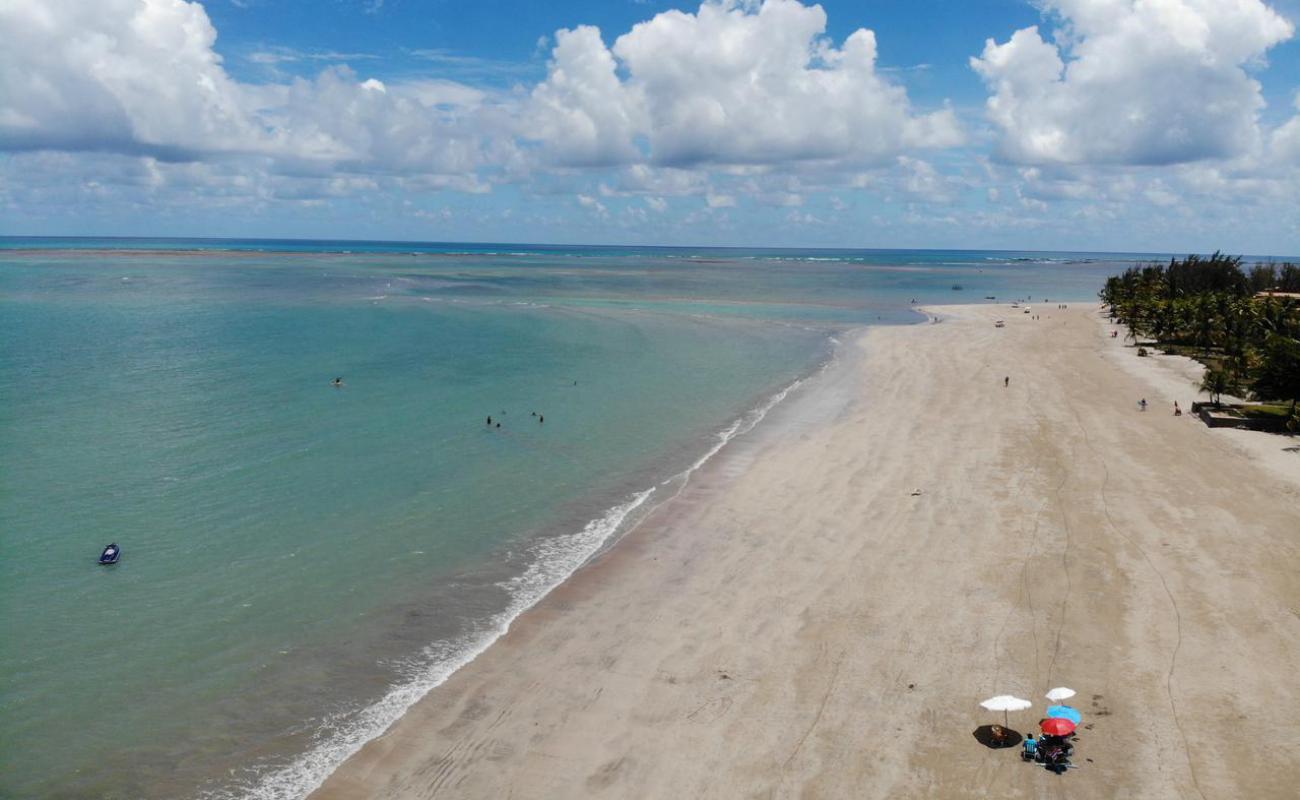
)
(1031, 748)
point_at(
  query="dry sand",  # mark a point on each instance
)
(797, 624)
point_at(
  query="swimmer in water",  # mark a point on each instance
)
(337, 383)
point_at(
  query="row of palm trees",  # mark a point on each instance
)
(1232, 320)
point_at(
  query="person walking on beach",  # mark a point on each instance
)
(1006, 382)
(1142, 404)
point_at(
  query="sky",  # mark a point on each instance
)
(1104, 125)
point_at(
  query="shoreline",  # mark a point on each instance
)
(307, 771)
(650, 600)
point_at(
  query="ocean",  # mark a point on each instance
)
(302, 561)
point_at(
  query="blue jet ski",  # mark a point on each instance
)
(110, 555)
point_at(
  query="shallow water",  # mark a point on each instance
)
(302, 561)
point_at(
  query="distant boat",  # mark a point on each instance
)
(989, 297)
(110, 555)
(956, 287)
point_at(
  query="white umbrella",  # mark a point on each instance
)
(1005, 703)
(1060, 693)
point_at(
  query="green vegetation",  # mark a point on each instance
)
(1217, 382)
(1212, 309)
(1274, 410)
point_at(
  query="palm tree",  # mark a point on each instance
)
(1204, 322)
(1216, 383)
(1238, 322)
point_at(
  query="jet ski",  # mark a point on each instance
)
(110, 555)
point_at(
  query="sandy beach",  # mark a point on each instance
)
(799, 623)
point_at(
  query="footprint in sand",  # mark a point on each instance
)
(710, 711)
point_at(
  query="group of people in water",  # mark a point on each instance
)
(541, 419)
(337, 383)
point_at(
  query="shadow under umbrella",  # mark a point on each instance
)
(996, 737)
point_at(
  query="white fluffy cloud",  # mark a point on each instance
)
(739, 113)
(117, 75)
(734, 83)
(1132, 81)
(141, 77)
(737, 83)
(582, 112)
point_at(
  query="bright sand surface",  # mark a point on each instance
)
(797, 624)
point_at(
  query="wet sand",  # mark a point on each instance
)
(798, 624)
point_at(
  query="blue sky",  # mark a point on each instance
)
(1084, 124)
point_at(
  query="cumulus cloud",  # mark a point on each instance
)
(748, 108)
(582, 112)
(1132, 81)
(734, 83)
(141, 77)
(116, 75)
(737, 87)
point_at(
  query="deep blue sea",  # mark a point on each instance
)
(302, 561)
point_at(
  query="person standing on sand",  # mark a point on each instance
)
(1006, 382)
(1142, 404)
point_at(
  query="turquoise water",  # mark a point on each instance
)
(300, 562)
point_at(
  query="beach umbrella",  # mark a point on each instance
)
(1055, 726)
(1005, 703)
(1065, 712)
(1061, 693)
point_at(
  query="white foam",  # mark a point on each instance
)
(554, 560)
(744, 424)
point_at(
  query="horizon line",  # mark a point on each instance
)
(481, 243)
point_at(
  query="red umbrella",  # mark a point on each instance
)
(1057, 726)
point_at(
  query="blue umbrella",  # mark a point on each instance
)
(1064, 712)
